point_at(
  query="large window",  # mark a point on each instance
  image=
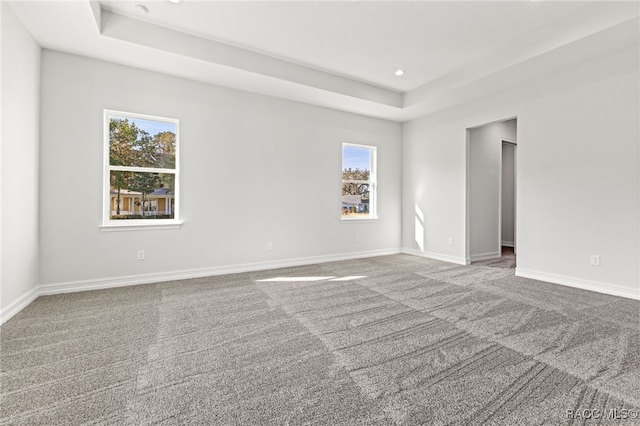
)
(358, 182)
(141, 169)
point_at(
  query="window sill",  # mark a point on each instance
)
(359, 219)
(141, 225)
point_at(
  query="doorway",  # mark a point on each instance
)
(508, 203)
(491, 194)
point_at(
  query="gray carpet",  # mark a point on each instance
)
(507, 260)
(414, 341)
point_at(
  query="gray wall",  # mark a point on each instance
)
(254, 169)
(485, 145)
(18, 164)
(577, 177)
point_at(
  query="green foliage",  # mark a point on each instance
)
(357, 174)
(122, 135)
(168, 181)
(132, 146)
(119, 180)
(145, 183)
(165, 142)
(355, 182)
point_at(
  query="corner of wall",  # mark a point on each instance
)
(20, 66)
(19, 304)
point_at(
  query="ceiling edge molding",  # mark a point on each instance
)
(530, 46)
(96, 10)
(157, 37)
(616, 38)
(510, 69)
(613, 63)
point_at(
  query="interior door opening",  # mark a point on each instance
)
(491, 194)
(508, 202)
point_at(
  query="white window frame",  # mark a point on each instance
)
(137, 224)
(373, 183)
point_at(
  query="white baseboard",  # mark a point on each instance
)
(96, 284)
(122, 281)
(485, 256)
(436, 256)
(596, 286)
(508, 244)
(19, 304)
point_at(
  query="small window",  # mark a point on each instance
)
(358, 182)
(141, 169)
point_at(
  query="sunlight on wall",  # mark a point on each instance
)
(419, 228)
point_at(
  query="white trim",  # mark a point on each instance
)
(140, 225)
(485, 256)
(19, 304)
(345, 219)
(373, 181)
(600, 287)
(515, 196)
(467, 196)
(95, 284)
(142, 169)
(500, 189)
(436, 256)
(508, 244)
(103, 283)
(107, 168)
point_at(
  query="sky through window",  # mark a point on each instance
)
(354, 157)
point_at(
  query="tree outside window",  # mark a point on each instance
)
(141, 169)
(358, 182)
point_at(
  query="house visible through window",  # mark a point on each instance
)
(141, 173)
(358, 181)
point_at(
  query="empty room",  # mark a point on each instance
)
(332, 213)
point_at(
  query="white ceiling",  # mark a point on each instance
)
(362, 40)
(341, 54)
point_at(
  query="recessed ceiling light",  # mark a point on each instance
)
(142, 9)
(175, 1)
(399, 72)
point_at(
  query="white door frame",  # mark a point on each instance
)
(515, 194)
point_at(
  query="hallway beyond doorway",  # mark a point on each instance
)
(507, 260)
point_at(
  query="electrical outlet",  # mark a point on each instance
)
(451, 241)
(269, 245)
(140, 254)
(595, 260)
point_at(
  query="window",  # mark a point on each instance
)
(141, 170)
(358, 182)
